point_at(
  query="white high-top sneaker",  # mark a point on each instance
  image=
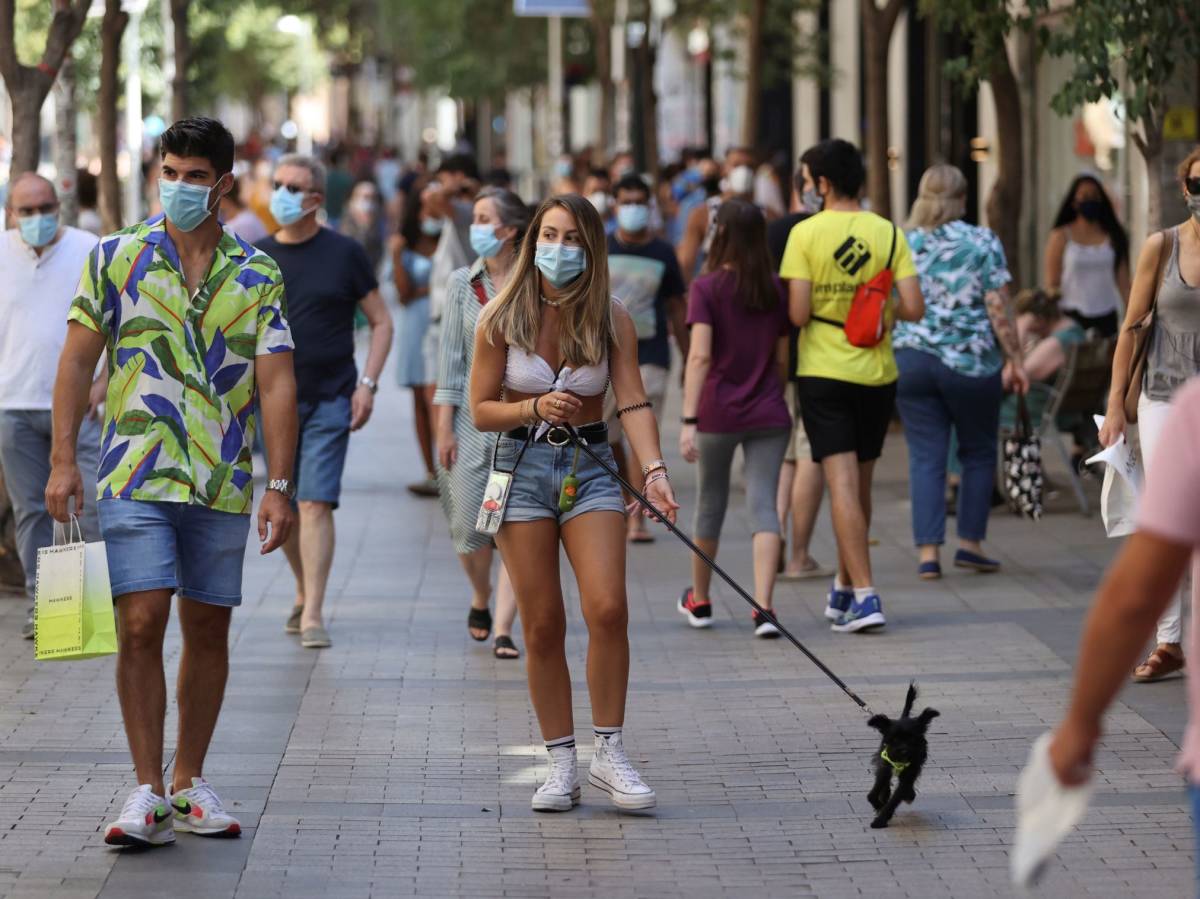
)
(560, 792)
(612, 772)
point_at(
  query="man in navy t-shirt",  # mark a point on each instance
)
(327, 277)
(645, 277)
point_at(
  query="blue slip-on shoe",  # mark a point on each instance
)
(861, 616)
(964, 558)
(929, 571)
(839, 603)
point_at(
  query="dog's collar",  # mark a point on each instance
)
(898, 767)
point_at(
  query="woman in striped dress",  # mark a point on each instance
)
(464, 454)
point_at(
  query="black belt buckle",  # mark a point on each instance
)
(558, 436)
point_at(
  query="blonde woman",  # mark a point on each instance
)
(950, 368)
(546, 349)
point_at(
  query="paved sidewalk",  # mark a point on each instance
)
(401, 761)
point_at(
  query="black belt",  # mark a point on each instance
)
(597, 432)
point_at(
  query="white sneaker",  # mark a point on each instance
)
(198, 810)
(560, 792)
(145, 821)
(612, 772)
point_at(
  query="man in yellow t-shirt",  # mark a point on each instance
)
(846, 392)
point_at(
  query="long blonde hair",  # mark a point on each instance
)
(940, 197)
(586, 328)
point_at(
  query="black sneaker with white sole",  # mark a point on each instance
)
(763, 626)
(699, 614)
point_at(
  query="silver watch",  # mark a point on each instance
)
(370, 383)
(284, 486)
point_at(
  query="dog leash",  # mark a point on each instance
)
(711, 563)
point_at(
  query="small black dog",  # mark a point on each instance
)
(902, 753)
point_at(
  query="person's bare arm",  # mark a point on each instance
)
(799, 302)
(1124, 282)
(1128, 604)
(999, 311)
(782, 357)
(76, 367)
(406, 291)
(911, 306)
(276, 380)
(1052, 260)
(693, 238)
(695, 372)
(1045, 359)
(490, 412)
(1141, 295)
(380, 321)
(677, 319)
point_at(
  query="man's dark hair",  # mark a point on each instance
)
(87, 189)
(632, 182)
(462, 164)
(199, 136)
(839, 162)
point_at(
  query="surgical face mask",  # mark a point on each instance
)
(287, 208)
(185, 205)
(560, 263)
(564, 168)
(811, 200)
(599, 199)
(1090, 209)
(431, 227)
(38, 230)
(741, 180)
(1193, 205)
(485, 242)
(633, 217)
(364, 206)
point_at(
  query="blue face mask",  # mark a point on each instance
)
(485, 242)
(287, 208)
(431, 227)
(185, 205)
(38, 230)
(561, 264)
(633, 217)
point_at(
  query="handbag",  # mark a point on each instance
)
(865, 325)
(1023, 466)
(1142, 330)
(73, 604)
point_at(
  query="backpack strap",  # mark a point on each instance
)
(892, 251)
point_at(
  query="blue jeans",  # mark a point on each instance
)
(321, 452)
(933, 399)
(25, 459)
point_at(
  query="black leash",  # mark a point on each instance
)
(711, 563)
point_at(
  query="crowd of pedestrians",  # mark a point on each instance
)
(539, 345)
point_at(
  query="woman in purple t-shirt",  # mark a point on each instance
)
(733, 396)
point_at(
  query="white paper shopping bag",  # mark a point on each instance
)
(73, 611)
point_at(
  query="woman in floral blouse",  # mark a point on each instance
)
(951, 364)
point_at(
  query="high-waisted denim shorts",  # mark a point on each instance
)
(539, 478)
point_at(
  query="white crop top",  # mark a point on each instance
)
(530, 373)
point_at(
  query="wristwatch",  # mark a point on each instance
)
(284, 486)
(370, 383)
(690, 420)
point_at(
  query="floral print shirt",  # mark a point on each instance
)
(179, 423)
(958, 265)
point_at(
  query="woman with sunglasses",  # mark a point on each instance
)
(1173, 358)
(546, 349)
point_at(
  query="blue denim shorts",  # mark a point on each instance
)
(321, 452)
(184, 547)
(539, 477)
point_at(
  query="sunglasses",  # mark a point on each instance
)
(44, 209)
(291, 188)
(1192, 185)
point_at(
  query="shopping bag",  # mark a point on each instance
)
(1023, 466)
(1047, 812)
(1122, 482)
(73, 607)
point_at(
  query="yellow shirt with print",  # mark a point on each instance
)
(837, 251)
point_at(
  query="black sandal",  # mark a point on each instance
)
(480, 620)
(505, 648)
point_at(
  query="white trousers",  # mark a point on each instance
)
(1152, 416)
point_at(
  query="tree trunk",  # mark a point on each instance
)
(1004, 200)
(877, 26)
(602, 36)
(646, 56)
(1150, 143)
(183, 56)
(753, 77)
(112, 27)
(65, 142)
(27, 99)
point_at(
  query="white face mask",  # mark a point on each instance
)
(741, 180)
(599, 199)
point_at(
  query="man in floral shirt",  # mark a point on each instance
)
(192, 321)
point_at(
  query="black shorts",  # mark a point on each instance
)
(841, 417)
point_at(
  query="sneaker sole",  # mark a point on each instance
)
(557, 803)
(695, 622)
(833, 614)
(626, 801)
(229, 831)
(868, 622)
(117, 837)
(767, 631)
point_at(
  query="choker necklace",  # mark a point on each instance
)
(553, 303)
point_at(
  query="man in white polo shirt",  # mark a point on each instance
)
(41, 260)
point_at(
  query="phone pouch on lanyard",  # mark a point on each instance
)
(495, 494)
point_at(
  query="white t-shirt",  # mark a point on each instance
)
(35, 294)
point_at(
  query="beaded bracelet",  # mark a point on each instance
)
(634, 408)
(659, 475)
